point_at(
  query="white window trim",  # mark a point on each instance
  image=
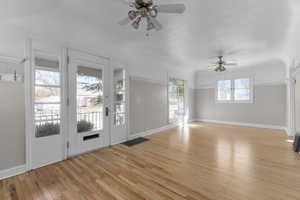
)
(232, 91)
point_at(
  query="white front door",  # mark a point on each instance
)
(88, 103)
(119, 106)
(47, 137)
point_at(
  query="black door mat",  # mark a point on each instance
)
(135, 141)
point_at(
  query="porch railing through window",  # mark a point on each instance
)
(93, 117)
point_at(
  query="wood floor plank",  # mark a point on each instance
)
(201, 161)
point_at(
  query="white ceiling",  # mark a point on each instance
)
(258, 30)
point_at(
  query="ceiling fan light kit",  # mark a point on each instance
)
(220, 64)
(145, 9)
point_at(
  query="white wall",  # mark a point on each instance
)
(12, 120)
(272, 72)
(270, 96)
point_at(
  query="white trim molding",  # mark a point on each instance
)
(152, 131)
(267, 126)
(12, 172)
(139, 78)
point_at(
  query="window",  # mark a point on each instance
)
(176, 101)
(119, 97)
(234, 91)
(47, 97)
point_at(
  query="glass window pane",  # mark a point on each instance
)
(224, 94)
(176, 100)
(47, 95)
(120, 96)
(45, 77)
(119, 119)
(224, 84)
(242, 94)
(242, 83)
(89, 99)
(224, 90)
(119, 84)
(119, 108)
(47, 119)
(119, 116)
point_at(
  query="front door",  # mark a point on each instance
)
(88, 103)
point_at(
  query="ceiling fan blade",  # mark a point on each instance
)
(231, 64)
(156, 23)
(124, 21)
(127, 2)
(171, 8)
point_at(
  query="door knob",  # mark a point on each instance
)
(106, 111)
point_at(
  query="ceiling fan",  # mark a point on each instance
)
(146, 9)
(220, 65)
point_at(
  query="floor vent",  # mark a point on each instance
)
(135, 141)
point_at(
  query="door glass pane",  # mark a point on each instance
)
(89, 99)
(47, 95)
(47, 119)
(119, 97)
(47, 77)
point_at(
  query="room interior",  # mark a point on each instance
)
(142, 99)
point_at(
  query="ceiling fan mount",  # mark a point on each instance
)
(145, 9)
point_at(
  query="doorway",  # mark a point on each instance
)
(77, 107)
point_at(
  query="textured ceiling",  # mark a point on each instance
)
(256, 30)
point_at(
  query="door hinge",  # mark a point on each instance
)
(68, 145)
(68, 59)
(68, 101)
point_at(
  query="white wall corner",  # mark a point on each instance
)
(12, 171)
(152, 131)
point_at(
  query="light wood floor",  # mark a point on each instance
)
(201, 161)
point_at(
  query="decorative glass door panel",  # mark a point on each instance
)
(89, 99)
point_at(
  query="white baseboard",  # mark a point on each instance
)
(193, 120)
(120, 142)
(12, 171)
(152, 131)
(243, 124)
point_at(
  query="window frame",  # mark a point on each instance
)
(232, 97)
(184, 98)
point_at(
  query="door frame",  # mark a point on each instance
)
(90, 59)
(29, 86)
(64, 57)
